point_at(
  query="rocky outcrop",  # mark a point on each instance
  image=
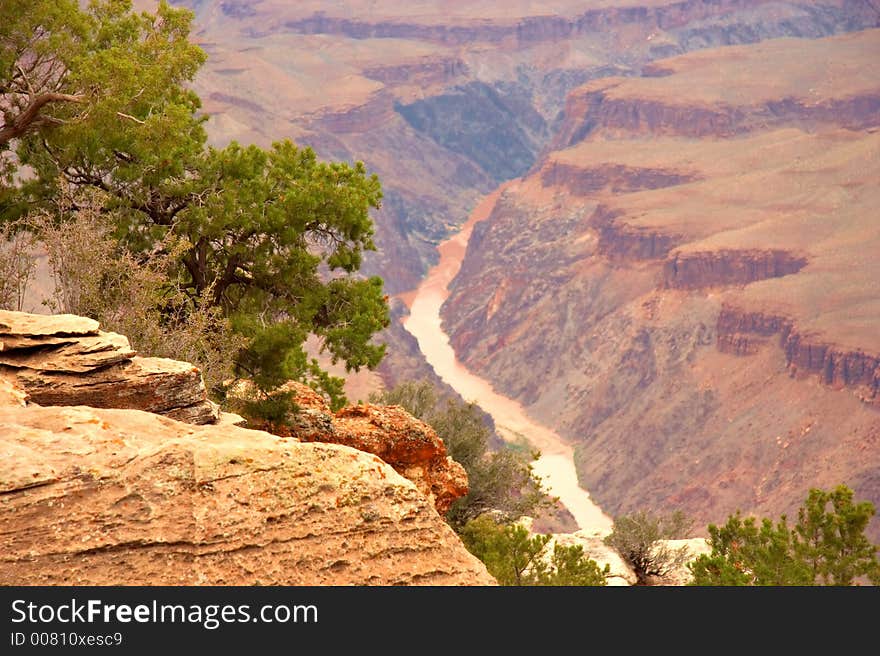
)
(427, 71)
(701, 269)
(742, 332)
(61, 342)
(655, 69)
(96, 496)
(837, 367)
(616, 178)
(854, 113)
(68, 360)
(236, 101)
(121, 497)
(410, 446)
(407, 444)
(620, 241)
(378, 109)
(320, 23)
(592, 108)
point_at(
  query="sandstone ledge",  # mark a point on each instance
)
(110, 497)
(67, 360)
(743, 332)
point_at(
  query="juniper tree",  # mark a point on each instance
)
(100, 99)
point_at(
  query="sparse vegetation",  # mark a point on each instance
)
(16, 265)
(95, 276)
(503, 488)
(638, 538)
(500, 481)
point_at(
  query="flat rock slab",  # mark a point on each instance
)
(78, 354)
(155, 385)
(23, 323)
(67, 360)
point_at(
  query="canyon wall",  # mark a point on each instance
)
(446, 101)
(588, 290)
(743, 333)
(695, 306)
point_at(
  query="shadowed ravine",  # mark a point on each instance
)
(556, 464)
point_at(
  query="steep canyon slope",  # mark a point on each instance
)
(686, 284)
(444, 100)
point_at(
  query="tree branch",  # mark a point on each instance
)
(130, 118)
(30, 117)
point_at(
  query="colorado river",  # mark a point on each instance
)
(556, 464)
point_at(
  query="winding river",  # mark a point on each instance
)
(556, 464)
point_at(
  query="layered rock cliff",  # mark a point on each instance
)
(723, 268)
(68, 360)
(93, 496)
(444, 101)
(743, 333)
(514, 26)
(773, 89)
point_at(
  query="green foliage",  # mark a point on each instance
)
(638, 539)
(124, 120)
(419, 398)
(827, 546)
(270, 239)
(39, 40)
(515, 557)
(507, 550)
(832, 541)
(499, 481)
(570, 566)
(745, 553)
(275, 408)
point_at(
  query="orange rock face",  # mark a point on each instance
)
(407, 444)
(410, 446)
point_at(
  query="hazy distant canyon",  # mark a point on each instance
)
(682, 276)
